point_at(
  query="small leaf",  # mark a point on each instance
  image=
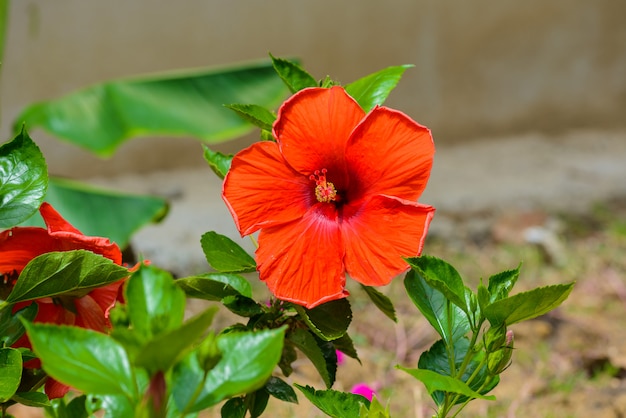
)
(280, 389)
(65, 272)
(292, 74)
(437, 382)
(242, 305)
(83, 359)
(34, 399)
(11, 367)
(346, 346)
(23, 179)
(219, 163)
(334, 403)
(527, 305)
(226, 256)
(373, 89)
(256, 115)
(234, 408)
(11, 328)
(257, 402)
(382, 302)
(215, 286)
(329, 320)
(306, 342)
(154, 303)
(433, 305)
(500, 284)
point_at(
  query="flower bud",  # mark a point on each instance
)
(208, 353)
(495, 338)
(499, 360)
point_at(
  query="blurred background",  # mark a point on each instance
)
(527, 104)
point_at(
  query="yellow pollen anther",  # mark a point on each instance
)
(324, 190)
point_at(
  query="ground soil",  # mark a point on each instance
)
(555, 203)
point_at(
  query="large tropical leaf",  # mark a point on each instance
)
(184, 104)
(99, 212)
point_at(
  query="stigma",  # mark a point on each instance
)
(325, 191)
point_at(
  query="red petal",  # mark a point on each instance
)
(20, 245)
(383, 231)
(313, 127)
(55, 221)
(89, 314)
(55, 389)
(390, 154)
(261, 190)
(302, 262)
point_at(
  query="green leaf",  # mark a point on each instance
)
(164, 350)
(306, 342)
(11, 367)
(182, 104)
(443, 277)
(155, 304)
(333, 403)
(83, 359)
(72, 273)
(329, 320)
(292, 74)
(11, 328)
(215, 286)
(257, 402)
(373, 89)
(102, 213)
(23, 179)
(226, 256)
(256, 115)
(280, 389)
(219, 163)
(346, 346)
(34, 399)
(234, 408)
(381, 301)
(248, 360)
(527, 305)
(450, 324)
(437, 382)
(500, 284)
(242, 305)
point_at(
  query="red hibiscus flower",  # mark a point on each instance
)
(19, 245)
(336, 193)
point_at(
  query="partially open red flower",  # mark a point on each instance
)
(19, 245)
(336, 193)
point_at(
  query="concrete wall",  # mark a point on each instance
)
(482, 67)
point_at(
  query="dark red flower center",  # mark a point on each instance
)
(325, 191)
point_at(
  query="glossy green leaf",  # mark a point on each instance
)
(225, 255)
(242, 305)
(248, 360)
(334, 403)
(500, 285)
(374, 89)
(437, 382)
(162, 351)
(219, 163)
(443, 277)
(23, 179)
(451, 324)
(280, 389)
(83, 359)
(215, 286)
(182, 104)
(257, 402)
(292, 74)
(329, 320)
(306, 342)
(527, 305)
(255, 114)
(34, 399)
(155, 304)
(346, 346)
(381, 301)
(11, 328)
(72, 273)
(11, 367)
(102, 213)
(234, 408)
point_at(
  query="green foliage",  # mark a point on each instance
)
(333, 403)
(255, 114)
(219, 163)
(438, 382)
(71, 273)
(11, 327)
(23, 179)
(292, 74)
(101, 117)
(373, 89)
(11, 366)
(329, 320)
(381, 301)
(215, 286)
(226, 256)
(306, 342)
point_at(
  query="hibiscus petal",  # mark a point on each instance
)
(313, 127)
(379, 234)
(261, 190)
(21, 244)
(390, 154)
(55, 389)
(301, 262)
(89, 314)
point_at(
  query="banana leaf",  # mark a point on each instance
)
(101, 117)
